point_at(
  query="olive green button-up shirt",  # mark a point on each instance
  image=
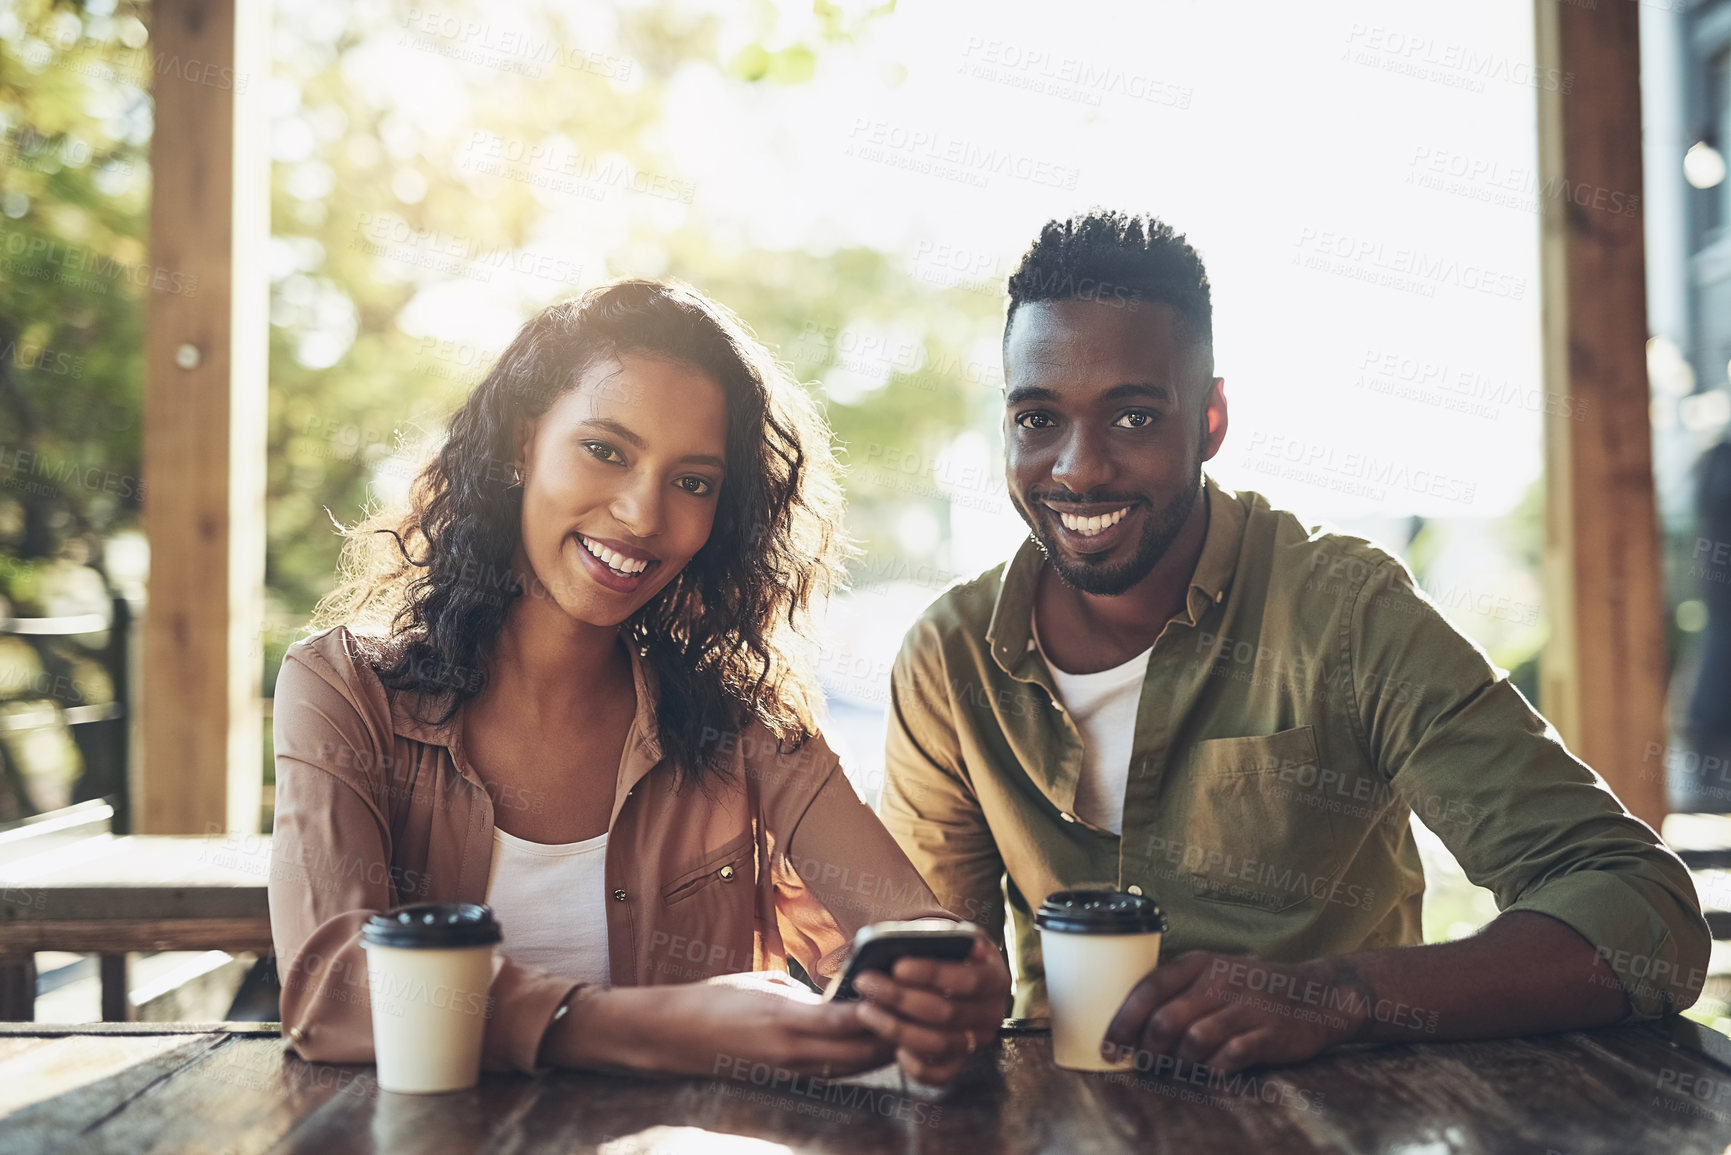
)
(1307, 701)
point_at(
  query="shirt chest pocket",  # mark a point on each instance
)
(728, 867)
(1258, 833)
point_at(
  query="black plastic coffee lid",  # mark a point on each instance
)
(1099, 912)
(434, 924)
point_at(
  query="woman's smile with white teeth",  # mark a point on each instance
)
(1089, 526)
(618, 563)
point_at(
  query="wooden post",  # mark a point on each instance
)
(1603, 671)
(116, 988)
(204, 419)
(18, 987)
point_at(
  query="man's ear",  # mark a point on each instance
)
(1214, 419)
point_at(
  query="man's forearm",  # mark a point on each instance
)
(1524, 973)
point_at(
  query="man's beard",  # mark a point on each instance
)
(1160, 529)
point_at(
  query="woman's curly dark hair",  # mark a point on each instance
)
(429, 589)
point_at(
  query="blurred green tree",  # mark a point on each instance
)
(75, 122)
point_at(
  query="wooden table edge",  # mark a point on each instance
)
(1674, 1031)
(1685, 1034)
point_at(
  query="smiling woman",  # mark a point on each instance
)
(587, 473)
(587, 608)
(550, 440)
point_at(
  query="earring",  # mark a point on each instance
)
(516, 478)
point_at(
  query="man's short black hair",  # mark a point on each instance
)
(1117, 258)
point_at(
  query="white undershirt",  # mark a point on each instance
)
(1103, 707)
(550, 900)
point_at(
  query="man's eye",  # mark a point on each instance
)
(602, 451)
(695, 485)
(1136, 419)
(1034, 419)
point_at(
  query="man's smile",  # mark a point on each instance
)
(1090, 527)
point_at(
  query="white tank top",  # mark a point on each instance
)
(550, 900)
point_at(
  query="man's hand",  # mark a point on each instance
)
(938, 1014)
(1524, 973)
(1230, 1013)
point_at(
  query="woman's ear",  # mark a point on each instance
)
(522, 436)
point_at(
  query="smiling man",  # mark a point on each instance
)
(1180, 691)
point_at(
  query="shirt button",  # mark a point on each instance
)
(726, 873)
(1067, 817)
(1133, 888)
(619, 896)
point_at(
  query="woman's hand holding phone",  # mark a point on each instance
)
(938, 1014)
(720, 1028)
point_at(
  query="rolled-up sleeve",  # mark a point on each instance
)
(1523, 816)
(927, 803)
(332, 869)
(836, 868)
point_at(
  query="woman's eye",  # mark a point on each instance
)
(1136, 419)
(695, 485)
(1034, 420)
(602, 451)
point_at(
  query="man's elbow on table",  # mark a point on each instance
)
(1647, 936)
(1665, 980)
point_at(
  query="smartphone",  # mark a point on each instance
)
(878, 946)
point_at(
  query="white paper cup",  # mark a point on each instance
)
(429, 967)
(1097, 945)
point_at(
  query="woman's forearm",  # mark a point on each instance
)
(613, 1028)
(705, 1028)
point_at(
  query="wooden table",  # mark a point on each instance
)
(230, 1088)
(109, 894)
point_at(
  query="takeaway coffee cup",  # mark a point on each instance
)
(1097, 945)
(428, 970)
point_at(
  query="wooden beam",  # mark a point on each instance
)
(1603, 670)
(94, 935)
(204, 418)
